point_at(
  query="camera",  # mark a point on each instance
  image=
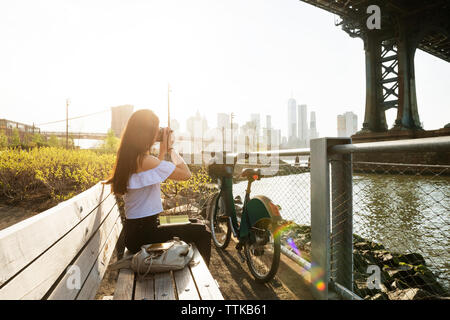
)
(160, 134)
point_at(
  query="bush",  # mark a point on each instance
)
(196, 188)
(54, 173)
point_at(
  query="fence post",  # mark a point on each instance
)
(320, 215)
(342, 218)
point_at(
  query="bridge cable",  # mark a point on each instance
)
(78, 117)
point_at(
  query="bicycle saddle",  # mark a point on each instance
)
(219, 170)
(251, 173)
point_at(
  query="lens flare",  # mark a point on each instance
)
(283, 228)
(291, 243)
(313, 274)
(320, 285)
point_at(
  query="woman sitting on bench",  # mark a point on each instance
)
(137, 176)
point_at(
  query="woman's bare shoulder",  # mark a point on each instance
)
(149, 162)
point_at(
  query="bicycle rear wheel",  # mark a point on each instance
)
(220, 223)
(263, 252)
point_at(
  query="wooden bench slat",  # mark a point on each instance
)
(90, 287)
(144, 289)
(164, 287)
(23, 242)
(124, 285)
(34, 281)
(207, 286)
(185, 284)
(105, 235)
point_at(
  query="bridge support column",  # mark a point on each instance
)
(407, 112)
(390, 79)
(374, 117)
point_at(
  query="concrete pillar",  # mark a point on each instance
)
(407, 112)
(374, 117)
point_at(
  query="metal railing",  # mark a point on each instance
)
(364, 229)
(389, 236)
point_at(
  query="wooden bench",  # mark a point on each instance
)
(63, 253)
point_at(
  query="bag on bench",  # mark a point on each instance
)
(158, 257)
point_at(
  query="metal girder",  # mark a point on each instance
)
(406, 25)
(429, 13)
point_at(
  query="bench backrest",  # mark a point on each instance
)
(63, 252)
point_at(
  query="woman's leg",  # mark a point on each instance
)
(195, 232)
(146, 230)
(138, 232)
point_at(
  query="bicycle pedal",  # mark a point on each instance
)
(241, 256)
(258, 252)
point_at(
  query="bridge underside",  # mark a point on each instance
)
(405, 25)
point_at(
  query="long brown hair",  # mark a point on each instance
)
(137, 138)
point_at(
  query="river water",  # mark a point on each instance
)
(405, 213)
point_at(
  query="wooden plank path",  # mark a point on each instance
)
(194, 282)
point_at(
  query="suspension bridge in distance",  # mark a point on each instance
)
(101, 136)
(76, 135)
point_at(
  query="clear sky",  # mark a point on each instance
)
(241, 56)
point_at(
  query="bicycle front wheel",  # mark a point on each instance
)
(220, 223)
(263, 253)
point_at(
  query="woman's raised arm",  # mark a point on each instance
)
(181, 171)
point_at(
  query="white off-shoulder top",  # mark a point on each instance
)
(143, 196)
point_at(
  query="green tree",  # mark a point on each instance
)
(15, 139)
(3, 140)
(27, 138)
(53, 141)
(111, 142)
(37, 138)
(70, 142)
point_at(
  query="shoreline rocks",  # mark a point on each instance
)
(403, 276)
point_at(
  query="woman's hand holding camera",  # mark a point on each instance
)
(182, 171)
(166, 143)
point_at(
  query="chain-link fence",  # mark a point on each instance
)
(388, 224)
(401, 227)
(370, 230)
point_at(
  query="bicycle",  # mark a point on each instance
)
(255, 231)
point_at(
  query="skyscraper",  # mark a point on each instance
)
(313, 134)
(256, 119)
(302, 124)
(347, 124)
(223, 120)
(292, 119)
(119, 118)
(196, 125)
(341, 126)
(267, 133)
(268, 121)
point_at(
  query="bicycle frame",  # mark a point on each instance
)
(226, 189)
(260, 209)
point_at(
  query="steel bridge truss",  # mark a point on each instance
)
(406, 25)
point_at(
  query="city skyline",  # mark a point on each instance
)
(347, 124)
(243, 57)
